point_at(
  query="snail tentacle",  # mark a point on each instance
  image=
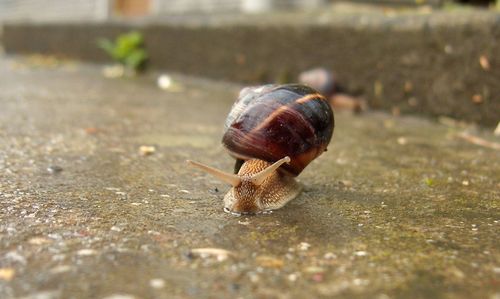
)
(258, 178)
(229, 178)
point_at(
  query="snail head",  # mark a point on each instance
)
(255, 181)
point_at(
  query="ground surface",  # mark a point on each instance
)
(397, 208)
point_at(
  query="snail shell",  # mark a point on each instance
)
(274, 121)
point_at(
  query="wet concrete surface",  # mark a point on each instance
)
(397, 208)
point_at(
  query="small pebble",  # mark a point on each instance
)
(269, 262)
(293, 277)
(7, 274)
(402, 141)
(346, 183)
(146, 150)
(53, 169)
(39, 241)
(330, 256)
(60, 269)
(497, 130)
(314, 270)
(360, 253)
(244, 222)
(304, 246)
(157, 283)
(318, 277)
(120, 296)
(164, 82)
(86, 252)
(219, 253)
(359, 281)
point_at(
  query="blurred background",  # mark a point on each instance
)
(103, 101)
(430, 57)
(89, 10)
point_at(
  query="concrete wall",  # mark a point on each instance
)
(435, 71)
(53, 10)
(89, 10)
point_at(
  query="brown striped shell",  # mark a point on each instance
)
(273, 121)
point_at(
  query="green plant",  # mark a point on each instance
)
(127, 49)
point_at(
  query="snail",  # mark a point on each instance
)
(274, 132)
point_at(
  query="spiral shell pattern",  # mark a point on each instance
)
(273, 121)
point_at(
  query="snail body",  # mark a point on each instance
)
(274, 132)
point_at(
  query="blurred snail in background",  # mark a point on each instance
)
(321, 79)
(326, 83)
(274, 132)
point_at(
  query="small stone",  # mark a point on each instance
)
(219, 253)
(15, 257)
(269, 262)
(497, 130)
(360, 253)
(39, 241)
(146, 150)
(477, 99)
(346, 183)
(359, 282)
(293, 277)
(304, 246)
(86, 252)
(330, 256)
(465, 183)
(484, 62)
(53, 169)
(254, 277)
(116, 229)
(318, 277)
(43, 295)
(91, 130)
(120, 296)
(157, 283)
(314, 270)
(60, 269)
(402, 141)
(7, 274)
(164, 81)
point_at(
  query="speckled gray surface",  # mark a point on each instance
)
(397, 208)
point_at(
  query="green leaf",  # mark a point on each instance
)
(127, 49)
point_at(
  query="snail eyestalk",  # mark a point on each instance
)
(258, 178)
(231, 179)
